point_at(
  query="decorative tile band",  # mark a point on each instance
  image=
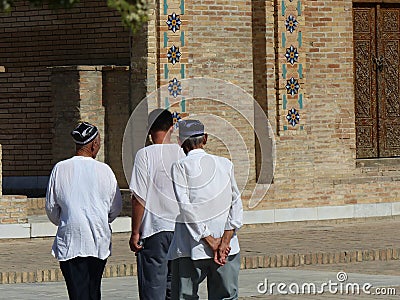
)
(174, 43)
(292, 67)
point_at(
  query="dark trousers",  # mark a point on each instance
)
(83, 277)
(154, 270)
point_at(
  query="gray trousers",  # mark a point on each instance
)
(222, 281)
(153, 268)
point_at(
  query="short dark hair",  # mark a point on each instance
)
(160, 120)
(191, 143)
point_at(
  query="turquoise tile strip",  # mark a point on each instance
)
(283, 7)
(284, 71)
(283, 39)
(300, 70)
(182, 38)
(166, 71)
(182, 71)
(300, 101)
(285, 127)
(182, 7)
(165, 7)
(299, 8)
(165, 39)
(300, 38)
(284, 102)
(301, 127)
(183, 105)
(167, 103)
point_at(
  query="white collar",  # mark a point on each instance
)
(196, 151)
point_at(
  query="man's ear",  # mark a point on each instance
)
(205, 138)
(92, 146)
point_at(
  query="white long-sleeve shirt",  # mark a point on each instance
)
(209, 202)
(152, 183)
(82, 199)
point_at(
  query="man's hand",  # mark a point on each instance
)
(134, 242)
(224, 248)
(213, 243)
(223, 252)
(137, 216)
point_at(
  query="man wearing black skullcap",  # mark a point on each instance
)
(205, 242)
(82, 199)
(154, 207)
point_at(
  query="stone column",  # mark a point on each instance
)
(117, 113)
(91, 100)
(77, 96)
(1, 171)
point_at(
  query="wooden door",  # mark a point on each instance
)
(388, 43)
(365, 81)
(376, 73)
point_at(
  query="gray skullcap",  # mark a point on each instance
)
(84, 133)
(190, 128)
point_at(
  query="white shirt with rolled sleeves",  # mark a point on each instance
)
(151, 182)
(209, 202)
(82, 199)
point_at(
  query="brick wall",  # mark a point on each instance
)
(215, 41)
(318, 153)
(241, 42)
(316, 165)
(13, 209)
(31, 41)
(246, 43)
(36, 206)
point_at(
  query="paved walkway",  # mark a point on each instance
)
(275, 245)
(249, 284)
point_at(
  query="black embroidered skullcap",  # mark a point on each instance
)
(190, 128)
(84, 133)
(160, 120)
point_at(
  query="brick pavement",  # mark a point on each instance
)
(274, 245)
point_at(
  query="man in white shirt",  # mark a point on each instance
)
(205, 242)
(154, 208)
(82, 199)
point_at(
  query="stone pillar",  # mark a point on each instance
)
(117, 113)
(77, 96)
(1, 171)
(91, 101)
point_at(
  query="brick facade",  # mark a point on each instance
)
(32, 40)
(247, 43)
